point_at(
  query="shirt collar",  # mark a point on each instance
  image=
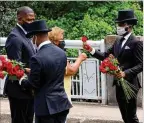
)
(127, 36)
(43, 43)
(22, 28)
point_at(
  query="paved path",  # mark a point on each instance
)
(81, 113)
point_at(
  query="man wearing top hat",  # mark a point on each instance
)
(129, 52)
(51, 104)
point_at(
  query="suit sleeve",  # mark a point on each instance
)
(138, 57)
(14, 48)
(103, 55)
(34, 76)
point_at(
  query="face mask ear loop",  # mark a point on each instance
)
(55, 43)
(127, 26)
(35, 40)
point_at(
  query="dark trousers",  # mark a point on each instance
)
(22, 110)
(55, 118)
(127, 109)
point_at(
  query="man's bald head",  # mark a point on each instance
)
(24, 10)
(25, 14)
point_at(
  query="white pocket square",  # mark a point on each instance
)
(126, 47)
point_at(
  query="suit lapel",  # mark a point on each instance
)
(31, 45)
(127, 42)
(28, 40)
(117, 49)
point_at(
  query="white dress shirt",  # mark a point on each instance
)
(22, 28)
(125, 37)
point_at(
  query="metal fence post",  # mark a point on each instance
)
(103, 78)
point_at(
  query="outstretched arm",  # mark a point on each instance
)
(97, 54)
(71, 69)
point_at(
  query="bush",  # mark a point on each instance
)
(92, 18)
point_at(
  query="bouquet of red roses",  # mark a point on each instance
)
(110, 66)
(12, 68)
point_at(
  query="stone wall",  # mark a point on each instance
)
(109, 40)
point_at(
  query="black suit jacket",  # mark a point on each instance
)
(19, 48)
(130, 58)
(46, 76)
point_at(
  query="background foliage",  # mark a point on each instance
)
(92, 18)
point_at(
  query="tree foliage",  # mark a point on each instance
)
(96, 19)
(93, 18)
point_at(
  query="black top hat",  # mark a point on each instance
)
(126, 16)
(38, 26)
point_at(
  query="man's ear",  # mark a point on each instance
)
(19, 19)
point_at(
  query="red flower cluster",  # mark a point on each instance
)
(84, 39)
(109, 65)
(11, 68)
(2, 75)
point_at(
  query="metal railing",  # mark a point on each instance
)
(88, 83)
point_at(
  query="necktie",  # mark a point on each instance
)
(120, 43)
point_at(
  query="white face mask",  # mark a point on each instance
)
(121, 30)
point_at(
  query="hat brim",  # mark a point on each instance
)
(30, 34)
(130, 19)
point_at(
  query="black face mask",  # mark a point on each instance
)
(61, 44)
(25, 26)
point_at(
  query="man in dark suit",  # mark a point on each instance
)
(20, 48)
(51, 103)
(129, 52)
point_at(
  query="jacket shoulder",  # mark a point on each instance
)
(14, 36)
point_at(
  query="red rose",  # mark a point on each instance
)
(112, 67)
(2, 58)
(16, 68)
(10, 72)
(20, 73)
(102, 69)
(9, 66)
(106, 60)
(105, 64)
(110, 64)
(84, 38)
(13, 71)
(87, 47)
(1, 66)
(4, 64)
(2, 75)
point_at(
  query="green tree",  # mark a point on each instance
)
(96, 19)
